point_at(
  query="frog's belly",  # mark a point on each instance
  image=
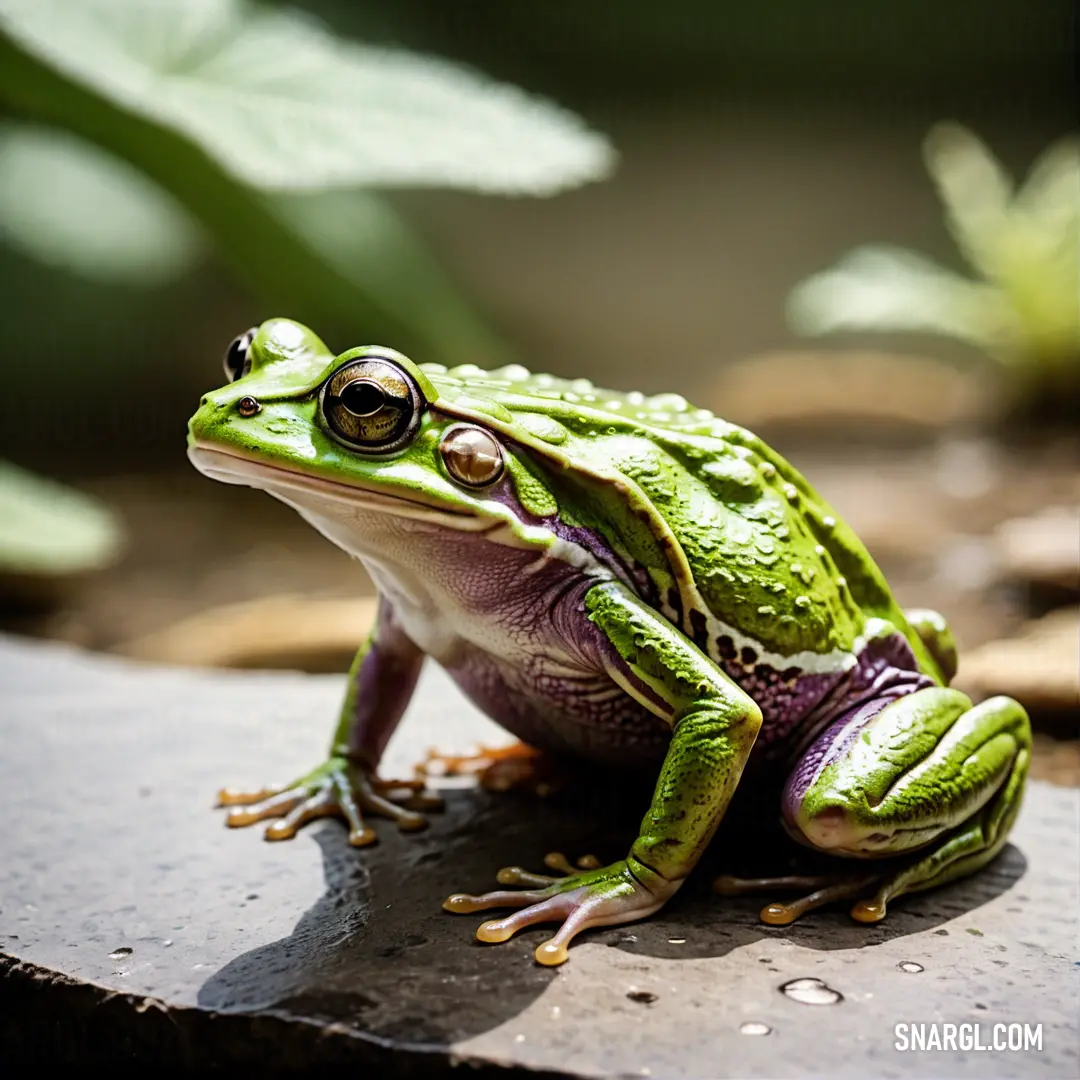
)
(502, 644)
(579, 714)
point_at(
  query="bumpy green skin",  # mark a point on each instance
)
(705, 506)
(730, 539)
(927, 749)
(930, 774)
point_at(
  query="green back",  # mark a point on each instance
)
(722, 523)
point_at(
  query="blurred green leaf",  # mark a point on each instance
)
(47, 529)
(211, 97)
(68, 204)
(1023, 309)
(886, 288)
(974, 189)
(281, 103)
(365, 240)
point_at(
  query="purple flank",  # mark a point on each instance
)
(558, 696)
(796, 707)
(588, 539)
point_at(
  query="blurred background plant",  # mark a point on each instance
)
(184, 123)
(1023, 243)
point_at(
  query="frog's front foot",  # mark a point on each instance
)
(596, 896)
(337, 788)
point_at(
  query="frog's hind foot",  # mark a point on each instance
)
(955, 855)
(517, 767)
(824, 889)
(929, 782)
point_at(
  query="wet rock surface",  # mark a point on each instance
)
(134, 926)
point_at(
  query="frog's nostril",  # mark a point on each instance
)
(204, 401)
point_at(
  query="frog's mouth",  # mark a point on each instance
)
(291, 486)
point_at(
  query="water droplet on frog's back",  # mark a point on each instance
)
(121, 953)
(910, 966)
(811, 992)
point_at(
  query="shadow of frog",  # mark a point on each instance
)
(377, 957)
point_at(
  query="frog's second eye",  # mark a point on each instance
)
(371, 404)
(237, 360)
(472, 456)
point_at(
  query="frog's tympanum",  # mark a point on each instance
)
(630, 581)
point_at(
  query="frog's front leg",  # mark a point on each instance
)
(714, 725)
(381, 682)
(926, 774)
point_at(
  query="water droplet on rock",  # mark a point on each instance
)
(910, 966)
(119, 954)
(676, 941)
(754, 1027)
(642, 997)
(811, 992)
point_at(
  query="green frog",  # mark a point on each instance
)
(629, 581)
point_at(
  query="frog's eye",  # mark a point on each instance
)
(371, 404)
(472, 456)
(237, 360)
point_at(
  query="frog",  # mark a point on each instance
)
(630, 582)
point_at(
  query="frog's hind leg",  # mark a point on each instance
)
(926, 777)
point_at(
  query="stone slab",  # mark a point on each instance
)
(134, 926)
